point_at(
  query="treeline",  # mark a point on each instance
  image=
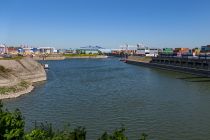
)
(12, 128)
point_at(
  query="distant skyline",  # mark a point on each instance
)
(107, 23)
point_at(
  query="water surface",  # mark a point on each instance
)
(102, 94)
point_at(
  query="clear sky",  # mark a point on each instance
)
(108, 23)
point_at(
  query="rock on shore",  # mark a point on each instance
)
(14, 72)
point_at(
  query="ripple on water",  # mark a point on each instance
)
(104, 94)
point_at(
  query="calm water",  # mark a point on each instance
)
(105, 93)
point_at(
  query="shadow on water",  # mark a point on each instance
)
(183, 76)
(201, 81)
(195, 79)
(191, 77)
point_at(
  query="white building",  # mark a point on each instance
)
(46, 50)
(153, 52)
(3, 49)
(146, 51)
(143, 51)
(105, 50)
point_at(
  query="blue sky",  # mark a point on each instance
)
(108, 23)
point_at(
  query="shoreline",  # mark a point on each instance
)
(86, 57)
(17, 94)
(17, 77)
(49, 58)
(70, 57)
(193, 71)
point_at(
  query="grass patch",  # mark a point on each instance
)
(23, 84)
(79, 55)
(13, 58)
(5, 90)
(4, 70)
(12, 89)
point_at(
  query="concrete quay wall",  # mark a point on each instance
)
(171, 67)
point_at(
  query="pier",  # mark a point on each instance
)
(198, 63)
(197, 66)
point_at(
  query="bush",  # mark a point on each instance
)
(11, 124)
(12, 128)
(118, 134)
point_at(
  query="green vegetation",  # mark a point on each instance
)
(4, 70)
(13, 58)
(12, 89)
(23, 84)
(12, 128)
(11, 124)
(5, 90)
(79, 55)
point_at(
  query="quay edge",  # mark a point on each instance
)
(182, 69)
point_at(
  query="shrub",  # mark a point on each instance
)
(12, 128)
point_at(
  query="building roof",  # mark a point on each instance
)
(2, 46)
(91, 48)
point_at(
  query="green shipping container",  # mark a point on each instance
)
(167, 50)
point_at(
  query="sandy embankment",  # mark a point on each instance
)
(17, 71)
